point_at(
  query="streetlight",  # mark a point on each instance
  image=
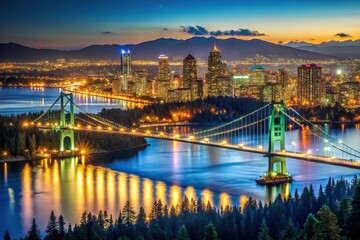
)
(327, 149)
(294, 144)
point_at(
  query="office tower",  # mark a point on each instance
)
(215, 69)
(225, 86)
(176, 81)
(272, 92)
(189, 71)
(125, 69)
(164, 69)
(179, 95)
(240, 84)
(282, 77)
(140, 78)
(163, 83)
(257, 75)
(310, 85)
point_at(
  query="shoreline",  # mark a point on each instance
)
(115, 97)
(91, 153)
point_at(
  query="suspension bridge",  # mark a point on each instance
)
(261, 132)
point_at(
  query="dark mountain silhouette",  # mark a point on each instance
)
(199, 47)
(345, 49)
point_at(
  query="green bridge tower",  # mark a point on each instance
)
(277, 165)
(67, 121)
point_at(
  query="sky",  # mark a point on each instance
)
(72, 24)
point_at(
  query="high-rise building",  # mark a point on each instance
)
(140, 78)
(215, 69)
(164, 69)
(257, 75)
(225, 86)
(272, 92)
(282, 77)
(163, 82)
(125, 69)
(189, 71)
(309, 84)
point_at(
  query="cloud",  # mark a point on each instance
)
(342, 35)
(197, 30)
(280, 42)
(202, 31)
(108, 33)
(165, 29)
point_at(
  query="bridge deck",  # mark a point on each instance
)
(287, 154)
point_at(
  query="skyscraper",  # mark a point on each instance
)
(257, 75)
(125, 69)
(163, 77)
(189, 71)
(215, 69)
(140, 78)
(310, 85)
(164, 69)
(190, 76)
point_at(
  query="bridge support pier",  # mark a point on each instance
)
(277, 165)
(67, 121)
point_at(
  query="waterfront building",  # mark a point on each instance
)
(349, 93)
(162, 88)
(179, 95)
(309, 84)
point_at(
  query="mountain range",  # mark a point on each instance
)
(199, 47)
(345, 49)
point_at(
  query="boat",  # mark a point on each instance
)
(265, 180)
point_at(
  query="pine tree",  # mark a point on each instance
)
(128, 214)
(52, 232)
(326, 227)
(61, 227)
(344, 211)
(353, 222)
(264, 231)
(309, 227)
(290, 232)
(7, 235)
(34, 232)
(141, 221)
(183, 234)
(21, 143)
(210, 232)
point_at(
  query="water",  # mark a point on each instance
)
(165, 170)
(14, 100)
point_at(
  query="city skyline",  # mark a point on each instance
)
(69, 25)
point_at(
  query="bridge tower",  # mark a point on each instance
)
(67, 121)
(277, 165)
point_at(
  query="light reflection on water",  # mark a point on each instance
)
(14, 100)
(71, 186)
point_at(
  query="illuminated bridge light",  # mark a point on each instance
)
(110, 128)
(133, 131)
(89, 127)
(99, 128)
(121, 129)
